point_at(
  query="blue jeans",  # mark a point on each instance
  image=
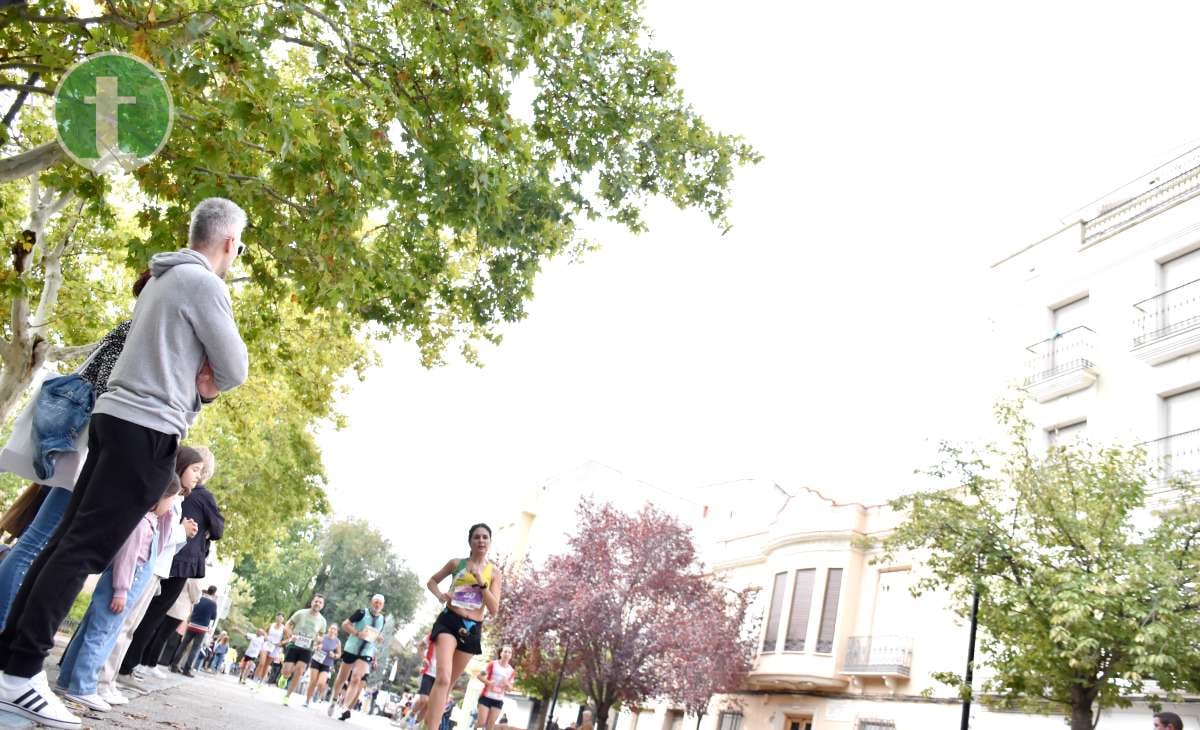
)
(98, 632)
(16, 563)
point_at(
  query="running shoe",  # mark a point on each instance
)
(332, 706)
(345, 716)
(92, 701)
(157, 672)
(286, 699)
(32, 698)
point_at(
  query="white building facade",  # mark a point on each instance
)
(1106, 314)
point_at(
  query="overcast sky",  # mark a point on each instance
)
(839, 330)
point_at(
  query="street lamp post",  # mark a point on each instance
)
(966, 710)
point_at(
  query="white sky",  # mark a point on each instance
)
(838, 331)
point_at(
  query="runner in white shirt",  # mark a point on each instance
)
(270, 647)
(251, 654)
(498, 677)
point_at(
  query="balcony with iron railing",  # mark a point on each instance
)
(1140, 207)
(1177, 457)
(1168, 324)
(878, 656)
(1061, 364)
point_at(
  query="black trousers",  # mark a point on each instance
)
(192, 643)
(127, 468)
(162, 647)
(146, 645)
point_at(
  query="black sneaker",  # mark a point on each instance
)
(345, 716)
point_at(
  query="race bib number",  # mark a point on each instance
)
(369, 633)
(319, 656)
(469, 597)
(300, 641)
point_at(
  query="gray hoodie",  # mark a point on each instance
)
(182, 317)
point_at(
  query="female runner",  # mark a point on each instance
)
(474, 586)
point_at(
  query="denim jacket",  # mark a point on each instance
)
(61, 412)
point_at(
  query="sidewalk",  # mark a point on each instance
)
(131, 690)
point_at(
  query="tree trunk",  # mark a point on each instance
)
(1082, 715)
(1081, 718)
(537, 714)
(26, 351)
(601, 718)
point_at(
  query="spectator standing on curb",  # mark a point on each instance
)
(220, 649)
(189, 468)
(203, 616)
(199, 508)
(183, 345)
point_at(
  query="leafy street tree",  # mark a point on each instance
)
(347, 561)
(615, 601)
(408, 164)
(280, 576)
(1087, 594)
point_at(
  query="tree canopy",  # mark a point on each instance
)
(1087, 585)
(410, 163)
(407, 168)
(347, 561)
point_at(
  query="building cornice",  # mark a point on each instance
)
(833, 538)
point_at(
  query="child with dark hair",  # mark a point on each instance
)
(121, 583)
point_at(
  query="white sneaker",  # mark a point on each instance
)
(112, 695)
(93, 701)
(156, 672)
(33, 699)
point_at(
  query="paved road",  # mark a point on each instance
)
(209, 702)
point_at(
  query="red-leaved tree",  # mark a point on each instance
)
(634, 612)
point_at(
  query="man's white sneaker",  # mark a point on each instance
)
(156, 672)
(33, 699)
(93, 701)
(112, 695)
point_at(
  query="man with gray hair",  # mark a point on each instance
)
(183, 348)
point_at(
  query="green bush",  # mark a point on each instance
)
(79, 607)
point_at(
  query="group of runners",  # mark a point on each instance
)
(306, 642)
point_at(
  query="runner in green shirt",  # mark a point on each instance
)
(303, 628)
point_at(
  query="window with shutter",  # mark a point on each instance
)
(833, 588)
(772, 634)
(802, 591)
